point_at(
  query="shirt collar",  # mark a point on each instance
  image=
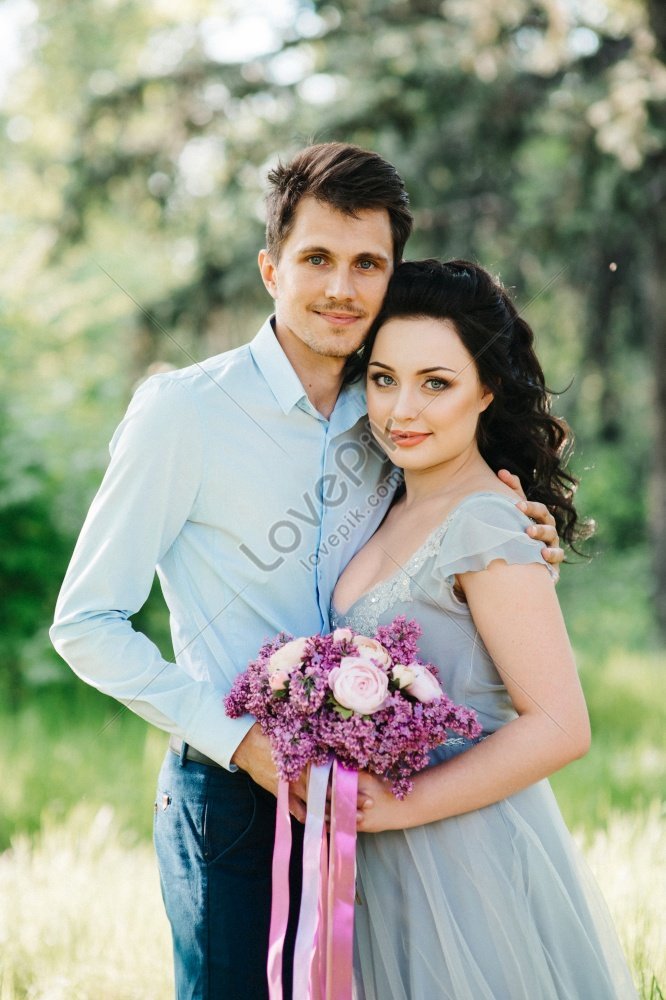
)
(274, 365)
(350, 406)
(286, 386)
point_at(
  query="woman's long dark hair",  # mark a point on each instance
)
(517, 431)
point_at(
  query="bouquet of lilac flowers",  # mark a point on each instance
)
(369, 702)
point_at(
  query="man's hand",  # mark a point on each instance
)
(253, 755)
(545, 529)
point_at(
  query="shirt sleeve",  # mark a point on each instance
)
(146, 496)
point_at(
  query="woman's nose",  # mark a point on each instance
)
(405, 407)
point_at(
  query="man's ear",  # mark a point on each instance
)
(268, 272)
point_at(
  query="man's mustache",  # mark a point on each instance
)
(333, 307)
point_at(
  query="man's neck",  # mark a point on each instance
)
(320, 376)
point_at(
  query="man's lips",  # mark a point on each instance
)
(407, 439)
(338, 318)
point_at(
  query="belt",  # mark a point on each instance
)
(176, 746)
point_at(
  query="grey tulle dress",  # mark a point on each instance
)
(496, 904)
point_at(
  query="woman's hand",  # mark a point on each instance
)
(545, 530)
(378, 809)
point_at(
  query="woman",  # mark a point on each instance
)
(471, 888)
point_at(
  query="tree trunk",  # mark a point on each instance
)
(656, 288)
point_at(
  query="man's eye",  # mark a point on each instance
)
(366, 265)
(316, 259)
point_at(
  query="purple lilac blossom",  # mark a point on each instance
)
(305, 724)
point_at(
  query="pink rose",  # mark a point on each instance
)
(288, 657)
(278, 680)
(425, 687)
(402, 675)
(343, 635)
(370, 649)
(359, 684)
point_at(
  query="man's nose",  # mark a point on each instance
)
(340, 284)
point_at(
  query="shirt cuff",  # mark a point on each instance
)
(214, 734)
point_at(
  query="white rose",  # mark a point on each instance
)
(359, 684)
(425, 687)
(288, 657)
(402, 675)
(372, 650)
(278, 680)
(343, 635)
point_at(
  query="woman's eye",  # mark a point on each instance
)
(437, 384)
(382, 380)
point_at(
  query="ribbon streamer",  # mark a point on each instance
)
(324, 939)
(341, 884)
(307, 935)
(280, 896)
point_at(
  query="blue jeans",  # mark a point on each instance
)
(213, 835)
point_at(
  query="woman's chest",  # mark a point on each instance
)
(387, 553)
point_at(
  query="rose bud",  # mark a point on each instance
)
(425, 687)
(372, 650)
(288, 657)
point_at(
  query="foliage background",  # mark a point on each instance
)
(135, 140)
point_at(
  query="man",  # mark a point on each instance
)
(249, 481)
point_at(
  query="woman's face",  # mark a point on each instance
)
(424, 393)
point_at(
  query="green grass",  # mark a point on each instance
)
(607, 608)
(626, 765)
(79, 773)
(68, 746)
(81, 917)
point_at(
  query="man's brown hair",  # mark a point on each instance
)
(343, 176)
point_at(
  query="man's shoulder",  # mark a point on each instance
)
(200, 374)
(183, 397)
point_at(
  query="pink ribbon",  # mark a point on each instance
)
(341, 884)
(307, 935)
(280, 897)
(324, 940)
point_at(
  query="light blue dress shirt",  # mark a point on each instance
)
(249, 503)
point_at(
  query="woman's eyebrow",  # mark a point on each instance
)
(421, 371)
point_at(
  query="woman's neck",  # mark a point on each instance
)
(460, 476)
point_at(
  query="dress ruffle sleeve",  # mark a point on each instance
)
(485, 527)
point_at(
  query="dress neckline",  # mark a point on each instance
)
(417, 552)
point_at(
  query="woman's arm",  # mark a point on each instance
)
(518, 617)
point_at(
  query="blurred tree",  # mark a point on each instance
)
(530, 134)
(657, 317)
(33, 554)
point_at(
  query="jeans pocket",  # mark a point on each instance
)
(229, 816)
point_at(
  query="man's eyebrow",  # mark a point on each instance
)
(313, 250)
(421, 371)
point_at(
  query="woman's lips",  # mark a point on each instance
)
(407, 439)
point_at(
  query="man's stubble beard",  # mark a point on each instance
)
(334, 350)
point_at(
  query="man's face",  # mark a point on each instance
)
(331, 278)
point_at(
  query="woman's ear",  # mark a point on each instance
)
(487, 397)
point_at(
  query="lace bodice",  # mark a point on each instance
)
(364, 614)
(483, 528)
